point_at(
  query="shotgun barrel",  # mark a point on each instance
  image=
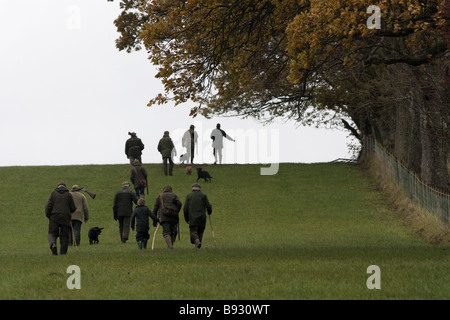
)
(92, 195)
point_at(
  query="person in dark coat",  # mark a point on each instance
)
(134, 147)
(138, 176)
(140, 218)
(58, 210)
(123, 208)
(167, 206)
(195, 208)
(165, 147)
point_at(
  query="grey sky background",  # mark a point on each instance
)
(68, 96)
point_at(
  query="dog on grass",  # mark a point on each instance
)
(203, 175)
(184, 157)
(189, 170)
(93, 234)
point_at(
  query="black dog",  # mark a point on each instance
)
(93, 234)
(203, 175)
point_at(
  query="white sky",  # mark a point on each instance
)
(68, 96)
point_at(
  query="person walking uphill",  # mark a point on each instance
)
(134, 147)
(123, 208)
(189, 141)
(140, 218)
(165, 147)
(195, 208)
(217, 136)
(138, 176)
(58, 210)
(167, 206)
(80, 215)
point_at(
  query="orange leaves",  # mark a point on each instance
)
(267, 56)
(329, 27)
(316, 33)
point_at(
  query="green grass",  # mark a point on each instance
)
(309, 232)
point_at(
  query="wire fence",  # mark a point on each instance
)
(433, 200)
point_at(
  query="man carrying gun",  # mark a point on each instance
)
(80, 215)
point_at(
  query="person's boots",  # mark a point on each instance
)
(63, 247)
(198, 244)
(168, 240)
(54, 249)
(139, 245)
(144, 243)
(173, 237)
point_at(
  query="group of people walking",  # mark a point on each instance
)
(134, 147)
(67, 210)
(165, 213)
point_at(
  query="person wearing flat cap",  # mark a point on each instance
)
(123, 208)
(195, 208)
(58, 210)
(167, 207)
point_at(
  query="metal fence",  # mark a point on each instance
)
(433, 200)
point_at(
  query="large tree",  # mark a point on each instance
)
(312, 61)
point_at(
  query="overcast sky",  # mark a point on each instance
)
(68, 96)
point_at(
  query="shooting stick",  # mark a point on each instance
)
(212, 230)
(154, 235)
(73, 236)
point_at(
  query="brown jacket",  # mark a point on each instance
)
(165, 202)
(137, 174)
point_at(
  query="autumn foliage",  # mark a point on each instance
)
(311, 61)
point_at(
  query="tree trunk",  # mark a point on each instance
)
(414, 123)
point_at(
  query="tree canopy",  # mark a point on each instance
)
(311, 61)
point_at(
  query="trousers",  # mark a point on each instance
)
(124, 227)
(55, 231)
(76, 224)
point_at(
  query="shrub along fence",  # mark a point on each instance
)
(432, 199)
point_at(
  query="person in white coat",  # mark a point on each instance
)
(189, 141)
(217, 136)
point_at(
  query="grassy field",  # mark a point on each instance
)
(309, 232)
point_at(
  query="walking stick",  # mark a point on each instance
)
(212, 230)
(154, 235)
(73, 236)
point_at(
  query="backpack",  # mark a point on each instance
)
(169, 210)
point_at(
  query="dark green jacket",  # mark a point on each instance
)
(60, 206)
(123, 202)
(195, 208)
(165, 146)
(134, 147)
